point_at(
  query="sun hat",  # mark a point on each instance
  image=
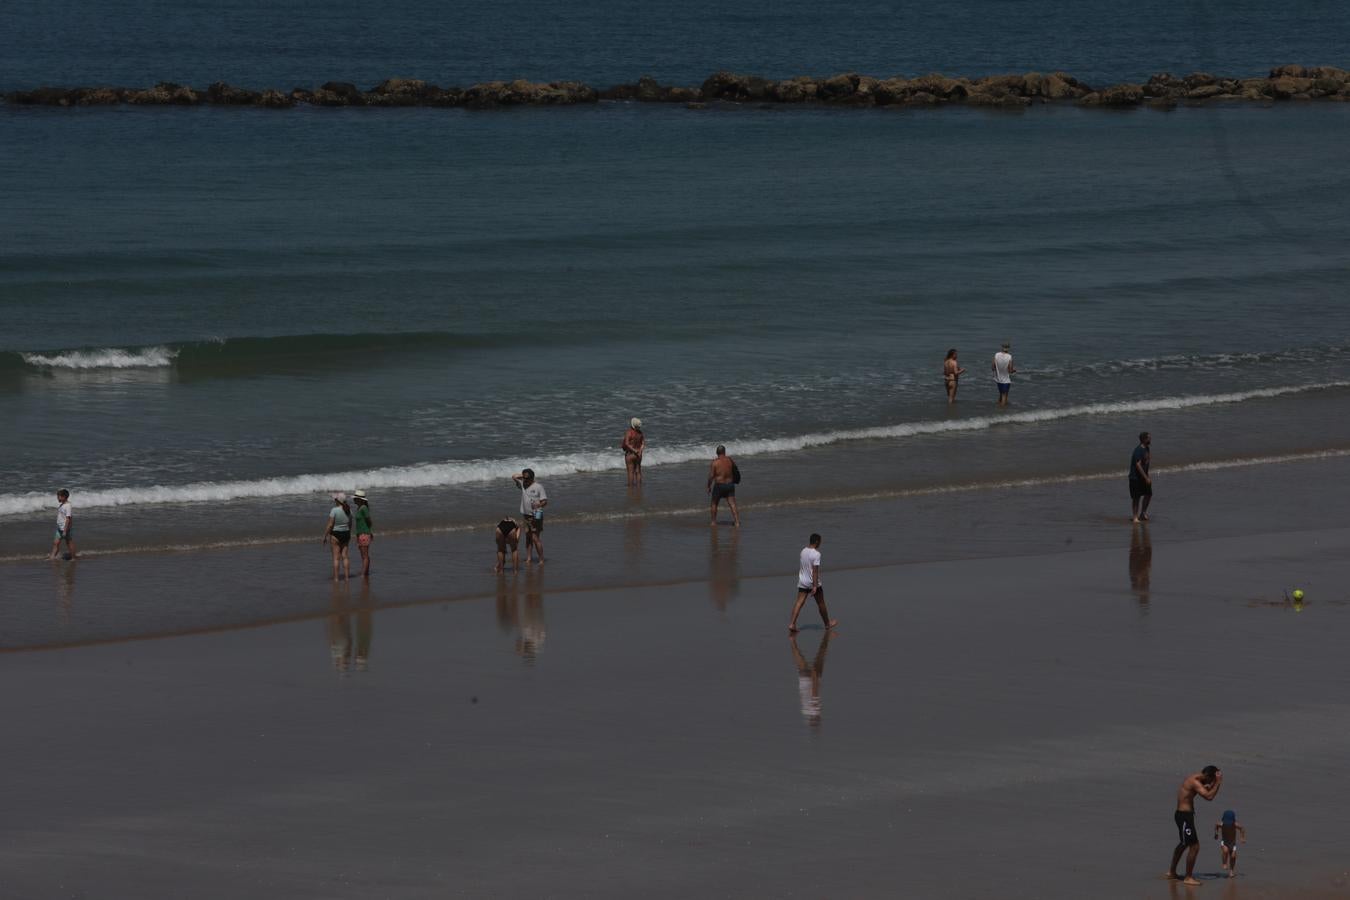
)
(635, 422)
(359, 494)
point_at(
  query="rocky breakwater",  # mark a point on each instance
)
(845, 89)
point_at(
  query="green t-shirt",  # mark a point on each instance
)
(363, 520)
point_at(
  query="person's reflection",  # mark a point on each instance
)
(508, 603)
(530, 642)
(65, 588)
(724, 572)
(809, 678)
(1141, 564)
(345, 651)
(365, 627)
(634, 526)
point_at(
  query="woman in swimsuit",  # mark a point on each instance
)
(951, 373)
(338, 532)
(365, 531)
(507, 534)
(634, 442)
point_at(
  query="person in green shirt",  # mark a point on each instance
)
(365, 531)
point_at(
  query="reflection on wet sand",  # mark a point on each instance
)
(724, 567)
(634, 527)
(348, 653)
(527, 621)
(65, 588)
(1141, 565)
(809, 678)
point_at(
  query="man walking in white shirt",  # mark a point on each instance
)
(1003, 372)
(808, 585)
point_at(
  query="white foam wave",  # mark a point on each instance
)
(449, 474)
(105, 358)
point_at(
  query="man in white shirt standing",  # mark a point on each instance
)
(532, 503)
(808, 585)
(1003, 372)
(65, 525)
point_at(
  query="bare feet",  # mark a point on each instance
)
(1191, 882)
(1135, 520)
(1143, 517)
(834, 623)
(793, 629)
(1171, 876)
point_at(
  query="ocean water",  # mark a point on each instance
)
(215, 316)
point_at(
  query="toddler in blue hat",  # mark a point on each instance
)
(1227, 832)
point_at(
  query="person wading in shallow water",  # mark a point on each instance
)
(722, 484)
(1206, 783)
(533, 499)
(634, 442)
(365, 530)
(1004, 370)
(951, 374)
(1141, 483)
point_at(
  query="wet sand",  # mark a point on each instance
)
(1000, 727)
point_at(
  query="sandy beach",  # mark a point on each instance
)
(1012, 725)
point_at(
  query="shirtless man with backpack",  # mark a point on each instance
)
(723, 476)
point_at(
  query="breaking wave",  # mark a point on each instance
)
(466, 472)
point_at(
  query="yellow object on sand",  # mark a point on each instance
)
(1298, 593)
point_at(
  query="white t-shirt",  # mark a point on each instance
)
(529, 496)
(62, 515)
(1002, 362)
(810, 559)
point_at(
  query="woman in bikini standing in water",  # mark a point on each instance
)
(951, 372)
(634, 442)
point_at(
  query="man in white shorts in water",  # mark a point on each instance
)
(808, 585)
(1003, 372)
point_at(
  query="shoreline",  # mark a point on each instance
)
(602, 517)
(132, 596)
(849, 89)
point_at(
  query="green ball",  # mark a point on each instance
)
(1298, 593)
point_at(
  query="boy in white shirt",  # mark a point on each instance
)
(65, 524)
(808, 585)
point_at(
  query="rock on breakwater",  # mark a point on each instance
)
(1292, 82)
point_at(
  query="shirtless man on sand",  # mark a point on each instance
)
(721, 484)
(1206, 783)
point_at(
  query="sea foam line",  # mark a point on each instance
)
(964, 487)
(450, 474)
(104, 358)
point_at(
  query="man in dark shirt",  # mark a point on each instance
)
(1141, 485)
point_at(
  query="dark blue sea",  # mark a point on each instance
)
(214, 315)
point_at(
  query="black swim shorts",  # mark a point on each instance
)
(1186, 836)
(342, 537)
(1140, 488)
(506, 526)
(722, 491)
